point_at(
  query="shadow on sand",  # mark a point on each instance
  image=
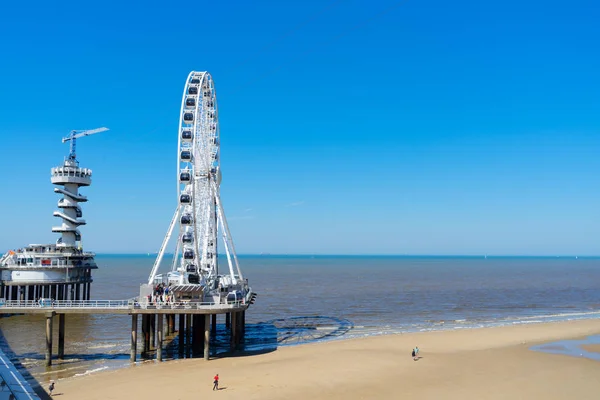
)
(260, 338)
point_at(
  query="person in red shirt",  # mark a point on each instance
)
(216, 382)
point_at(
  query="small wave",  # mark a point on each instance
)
(102, 346)
(91, 371)
(535, 321)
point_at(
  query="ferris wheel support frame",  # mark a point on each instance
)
(165, 242)
(228, 239)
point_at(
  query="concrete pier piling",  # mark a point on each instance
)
(134, 325)
(238, 327)
(171, 324)
(152, 329)
(49, 319)
(61, 336)
(243, 323)
(214, 325)
(198, 334)
(145, 333)
(207, 335)
(234, 332)
(188, 335)
(159, 334)
(181, 334)
(228, 320)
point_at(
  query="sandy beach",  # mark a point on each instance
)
(487, 363)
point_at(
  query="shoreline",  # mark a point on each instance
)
(120, 361)
(346, 362)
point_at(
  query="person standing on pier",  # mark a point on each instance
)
(216, 382)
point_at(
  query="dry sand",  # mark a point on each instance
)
(489, 363)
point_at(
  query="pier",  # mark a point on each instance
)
(196, 321)
(55, 279)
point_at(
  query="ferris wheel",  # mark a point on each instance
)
(199, 214)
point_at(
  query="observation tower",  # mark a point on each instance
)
(59, 271)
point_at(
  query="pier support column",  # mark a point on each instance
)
(228, 320)
(84, 290)
(89, 288)
(145, 334)
(49, 318)
(213, 325)
(238, 328)
(134, 324)
(234, 331)
(152, 331)
(243, 322)
(78, 292)
(197, 334)
(159, 341)
(181, 334)
(188, 335)
(61, 336)
(172, 324)
(207, 335)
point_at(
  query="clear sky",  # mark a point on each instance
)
(347, 127)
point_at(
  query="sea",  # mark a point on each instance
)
(307, 299)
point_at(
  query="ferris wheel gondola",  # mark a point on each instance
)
(199, 215)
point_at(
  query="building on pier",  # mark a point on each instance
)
(63, 270)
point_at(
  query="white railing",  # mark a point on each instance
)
(131, 304)
(185, 305)
(49, 303)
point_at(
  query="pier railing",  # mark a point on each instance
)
(130, 304)
(48, 303)
(188, 305)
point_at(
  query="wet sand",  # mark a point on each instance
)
(487, 363)
(594, 348)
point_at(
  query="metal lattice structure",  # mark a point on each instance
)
(199, 219)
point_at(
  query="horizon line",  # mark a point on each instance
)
(370, 255)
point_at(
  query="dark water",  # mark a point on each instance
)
(316, 298)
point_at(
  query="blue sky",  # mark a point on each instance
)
(347, 127)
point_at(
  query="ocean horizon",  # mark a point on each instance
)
(370, 255)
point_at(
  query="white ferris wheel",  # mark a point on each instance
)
(199, 214)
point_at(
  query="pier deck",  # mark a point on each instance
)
(127, 307)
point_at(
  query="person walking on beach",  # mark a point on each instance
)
(216, 382)
(51, 387)
(415, 353)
